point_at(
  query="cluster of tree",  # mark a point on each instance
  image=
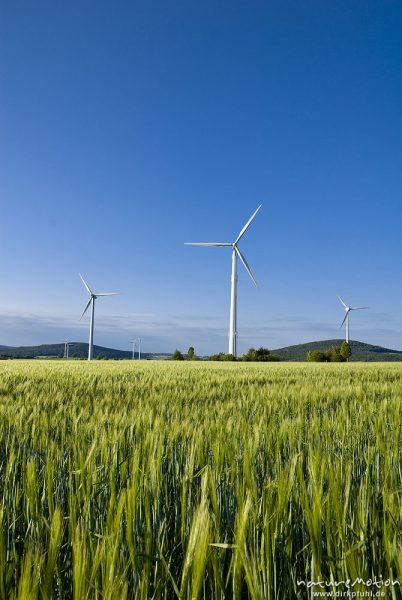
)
(222, 356)
(335, 354)
(177, 355)
(260, 355)
(253, 355)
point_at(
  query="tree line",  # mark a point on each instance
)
(335, 354)
(252, 355)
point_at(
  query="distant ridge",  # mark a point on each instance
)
(360, 351)
(77, 350)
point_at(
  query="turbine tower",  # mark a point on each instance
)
(233, 294)
(91, 303)
(348, 310)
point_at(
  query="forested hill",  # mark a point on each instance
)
(360, 351)
(76, 350)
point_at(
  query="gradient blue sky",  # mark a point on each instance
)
(128, 128)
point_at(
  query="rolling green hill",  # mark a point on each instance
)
(77, 350)
(360, 351)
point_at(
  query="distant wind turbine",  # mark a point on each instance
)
(348, 310)
(139, 348)
(233, 295)
(91, 303)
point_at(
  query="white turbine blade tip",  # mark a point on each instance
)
(246, 266)
(207, 244)
(243, 231)
(109, 294)
(85, 284)
(342, 302)
(86, 307)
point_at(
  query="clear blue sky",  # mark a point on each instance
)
(129, 128)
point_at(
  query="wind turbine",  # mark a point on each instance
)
(233, 294)
(348, 310)
(91, 303)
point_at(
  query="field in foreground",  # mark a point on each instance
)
(198, 480)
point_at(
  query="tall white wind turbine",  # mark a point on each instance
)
(233, 295)
(348, 310)
(91, 303)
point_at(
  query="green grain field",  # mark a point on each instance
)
(157, 480)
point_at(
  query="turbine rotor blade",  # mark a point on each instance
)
(359, 308)
(342, 302)
(207, 244)
(87, 306)
(344, 319)
(108, 294)
(245, 264)
(247, 225)
(86, 285)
